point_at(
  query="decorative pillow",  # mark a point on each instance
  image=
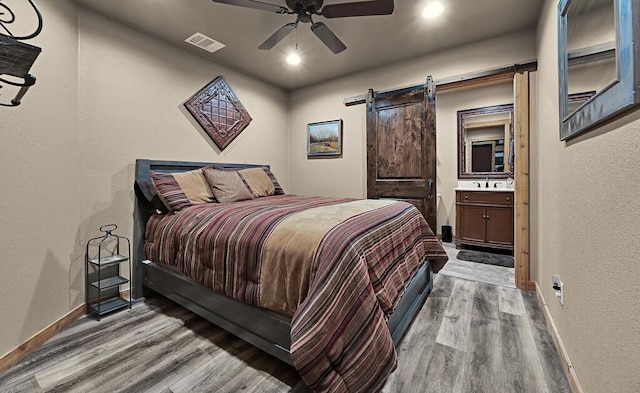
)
(258, 182)
(276, 185)
(182, 189)
(227, 186)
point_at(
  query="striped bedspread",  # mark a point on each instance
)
(338, 266)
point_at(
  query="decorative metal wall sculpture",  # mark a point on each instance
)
(16, 57)
(219, 112)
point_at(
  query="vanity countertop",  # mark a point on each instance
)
(503, 189)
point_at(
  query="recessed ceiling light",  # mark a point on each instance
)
(293, 59)
(433, 10)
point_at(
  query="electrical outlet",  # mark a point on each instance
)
(561, 294)
(558, 288)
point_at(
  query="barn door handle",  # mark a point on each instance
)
(430, 183)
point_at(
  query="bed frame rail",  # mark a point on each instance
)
(261, 328)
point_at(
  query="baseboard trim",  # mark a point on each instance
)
(17, 354)
(14, 356)
(564, 355)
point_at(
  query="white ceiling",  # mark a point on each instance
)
(371, 41)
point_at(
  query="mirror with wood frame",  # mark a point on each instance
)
(597, 51)
(485, 148)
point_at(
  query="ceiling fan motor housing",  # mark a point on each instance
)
(304, 8)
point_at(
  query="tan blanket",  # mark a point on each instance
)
(290, 249)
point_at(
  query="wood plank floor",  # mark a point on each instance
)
(497, 275)
(468, 337)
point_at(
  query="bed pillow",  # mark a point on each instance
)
(276, 186)
(182, 189)
(227, 186)
(258, 182)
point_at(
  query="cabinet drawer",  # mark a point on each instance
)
(491, 197)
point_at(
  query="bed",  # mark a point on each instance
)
(380, 301)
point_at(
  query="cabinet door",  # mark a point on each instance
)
(473, 223)
(500, 225)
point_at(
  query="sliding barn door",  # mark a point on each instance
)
(401, 147)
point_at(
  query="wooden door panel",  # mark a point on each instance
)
(474, 223)
(500, 225)
(400, 142)
(401, 152)
(482, 158)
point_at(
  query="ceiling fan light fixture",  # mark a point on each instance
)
(432, 10)
(293, 58)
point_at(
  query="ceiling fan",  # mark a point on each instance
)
(305, 9)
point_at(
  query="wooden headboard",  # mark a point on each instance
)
(143, 209)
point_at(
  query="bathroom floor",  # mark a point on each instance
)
(497, 275)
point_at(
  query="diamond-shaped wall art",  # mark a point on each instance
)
(219, 112)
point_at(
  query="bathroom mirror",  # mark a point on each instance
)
(484, 142)
(596, 53)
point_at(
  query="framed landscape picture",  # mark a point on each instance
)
(324, 139)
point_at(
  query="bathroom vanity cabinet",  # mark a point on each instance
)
(484, 218)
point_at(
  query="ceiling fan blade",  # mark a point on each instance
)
(258, 5)
(325, 34)
(278, 36)
(360, 8)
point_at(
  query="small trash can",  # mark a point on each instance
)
(447, 235)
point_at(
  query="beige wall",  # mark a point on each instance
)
(39, 197)
(105, 96)
(347, 176)
(131, 90)
(588, 201)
